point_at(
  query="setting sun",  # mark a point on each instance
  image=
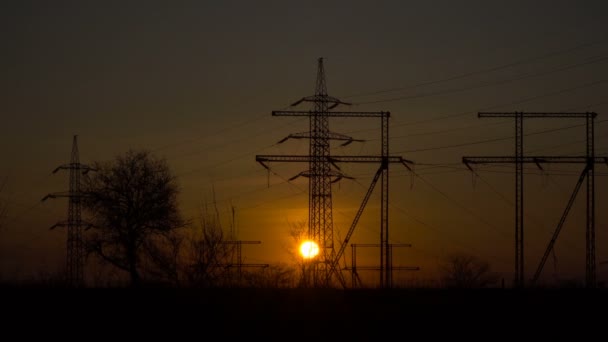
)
(309, 249)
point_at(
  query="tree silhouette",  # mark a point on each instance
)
(280, 275)
(133, 205)
(162, 260)
(466, 271)
(207, 254)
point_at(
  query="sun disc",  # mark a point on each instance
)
(309, 249)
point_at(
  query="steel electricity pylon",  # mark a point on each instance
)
(323, 171)
(74, 223)
(239, 264)
(356, 280)
(519, 159)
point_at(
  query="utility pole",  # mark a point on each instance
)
(589, 160)
(74, 223)
(323, 171)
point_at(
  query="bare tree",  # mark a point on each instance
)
(133, 203)
(298, 232)
(274, 276)
(466, 271)
(207, 256)
(163, 260)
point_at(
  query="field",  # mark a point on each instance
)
(305, 312)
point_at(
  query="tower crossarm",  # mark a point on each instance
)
(536, 115)
(394, 268)
(247, 265)
(75, 166)
(378, 245)
(335, 159)
(533, 159)
(331, 101)
(65, 194)
(332, 114)
(330, 136)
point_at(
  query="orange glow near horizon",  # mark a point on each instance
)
(309, 249)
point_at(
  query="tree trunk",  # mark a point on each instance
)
(132, 258)
(135, 279)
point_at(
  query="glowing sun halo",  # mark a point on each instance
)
(309, 249)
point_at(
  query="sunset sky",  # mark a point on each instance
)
(196, 81)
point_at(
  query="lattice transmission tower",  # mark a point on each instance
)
(323, 171)
(74, 223)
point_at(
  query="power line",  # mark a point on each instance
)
(544, 173)
(511, 203)
(488, 84)
(515, 102)
(492, 140)
(439, 232)
(245, 193)
(257, 118)
(233, 141)
(248, 154)
(481, 71)
(303, 191)
(215, 133)
(447, 130)
(438, 118)
(454, 169)
(458, 204)
(22, 213)
(487, 124)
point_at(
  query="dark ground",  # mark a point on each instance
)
(358, 314)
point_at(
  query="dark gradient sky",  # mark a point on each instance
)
(195, 82)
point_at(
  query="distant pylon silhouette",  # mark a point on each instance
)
(74, 223)
(519, 159)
